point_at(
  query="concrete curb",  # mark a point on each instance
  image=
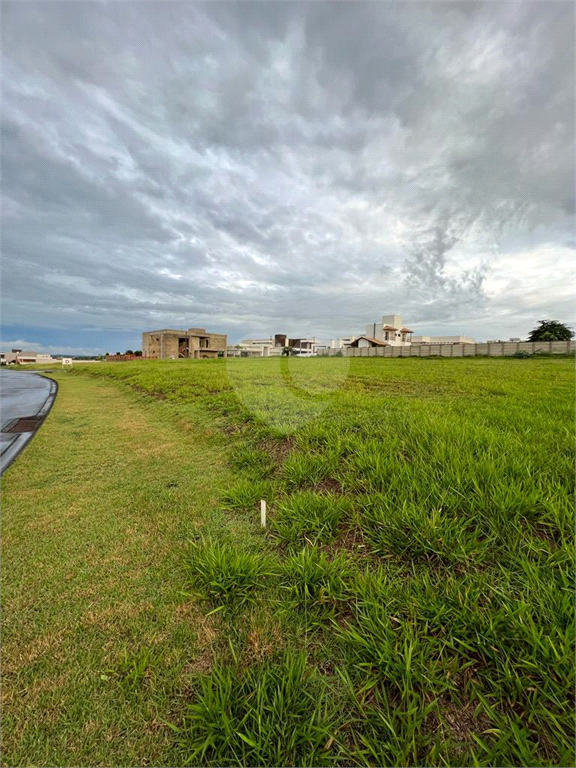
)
(22, 439)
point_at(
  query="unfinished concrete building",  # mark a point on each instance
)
(168, 344)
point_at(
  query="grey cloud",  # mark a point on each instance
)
(184, 161)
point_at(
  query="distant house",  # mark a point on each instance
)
(20, 357)
(255, 348)
(303, 347)
(391, 330)
(169, 344)
(274, 346)
(367, 341)
(342, 342)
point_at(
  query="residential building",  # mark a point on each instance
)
(368, 341)
(20, 357)
(302, 347)
(274, 347)
(342, 342)
(503, 341)
(391, 330)
(255, 348)
(169, 344)
(270, 347)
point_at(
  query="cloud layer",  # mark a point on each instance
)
(260, 167)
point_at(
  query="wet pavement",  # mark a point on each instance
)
(25, 399)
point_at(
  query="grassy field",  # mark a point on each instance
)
(410, 603)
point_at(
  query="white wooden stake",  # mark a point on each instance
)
(263, 513)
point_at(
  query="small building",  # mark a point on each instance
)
(303, 347)
(342, 342)
(195, 343)
(254, 348)
(368, 341)
(21, 357)
(270, 347)
(274, 347)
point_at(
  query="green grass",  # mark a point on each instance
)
(410, 603)
(273, 713)
(98, 639)
(309, 517)
(224, 574)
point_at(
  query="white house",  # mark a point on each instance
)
(255, 348)
(274, 346)
(342, 342)
(20, 357)
(391, 330)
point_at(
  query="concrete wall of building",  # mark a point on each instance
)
(196, 343)
(343, 341)
(393, 320)
(160, 345)
(219, 342)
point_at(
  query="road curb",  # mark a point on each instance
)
(21, 440)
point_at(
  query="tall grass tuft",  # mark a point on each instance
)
(269, 714)
(246, 494)
(315, 582)
(226, 575)
(308, 517)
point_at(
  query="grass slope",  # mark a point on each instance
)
(411, 602)
(98, 642)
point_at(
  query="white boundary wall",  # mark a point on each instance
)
(495, 349)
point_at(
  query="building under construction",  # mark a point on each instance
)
(168, 344)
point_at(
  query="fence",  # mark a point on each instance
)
(121, 358)
(494, 349)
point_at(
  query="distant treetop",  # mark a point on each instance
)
(551, 330)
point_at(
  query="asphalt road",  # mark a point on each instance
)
(23, 395)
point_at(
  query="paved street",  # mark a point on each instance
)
(23, 395)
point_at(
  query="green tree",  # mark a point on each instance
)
(550, 330)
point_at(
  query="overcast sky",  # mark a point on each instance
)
(257, 168)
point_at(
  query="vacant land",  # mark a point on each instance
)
(410, 603)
